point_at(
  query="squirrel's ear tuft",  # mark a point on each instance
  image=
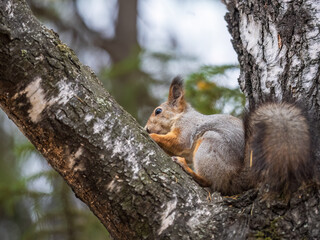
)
(176, 93)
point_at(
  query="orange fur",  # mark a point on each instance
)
(199, 141)
(169, 142)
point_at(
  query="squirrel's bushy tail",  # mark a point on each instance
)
(279, 146)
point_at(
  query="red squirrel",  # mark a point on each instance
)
(271, 147)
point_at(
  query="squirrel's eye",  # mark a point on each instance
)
(157, 111)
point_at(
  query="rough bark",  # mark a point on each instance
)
(108, 159)
(278, 46)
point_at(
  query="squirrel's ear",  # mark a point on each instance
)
(176, 93)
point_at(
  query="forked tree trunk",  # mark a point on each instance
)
(109, 161)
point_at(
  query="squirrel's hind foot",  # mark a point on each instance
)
(203, 182)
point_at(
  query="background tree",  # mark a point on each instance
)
(71, 158)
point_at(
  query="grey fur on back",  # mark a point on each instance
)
(219, 157)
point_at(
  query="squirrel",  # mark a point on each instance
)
(271, 147)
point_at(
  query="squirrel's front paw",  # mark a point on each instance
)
(154, 136)
(174, 158)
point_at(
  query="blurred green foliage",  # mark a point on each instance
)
(14, 216)
(30, 213)
(208, 97)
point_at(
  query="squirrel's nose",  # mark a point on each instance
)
(146, 128)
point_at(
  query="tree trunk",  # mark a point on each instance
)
(109, 161)
(278, 46)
